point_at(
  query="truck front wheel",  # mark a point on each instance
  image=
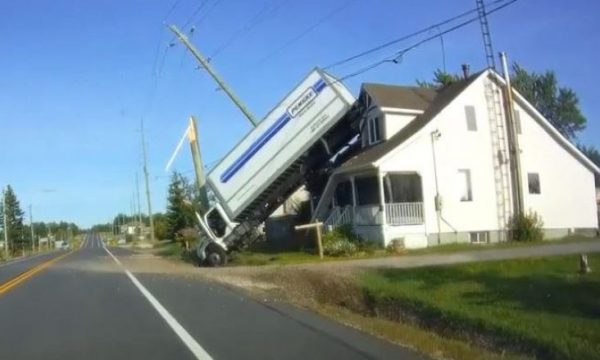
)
(215, 255)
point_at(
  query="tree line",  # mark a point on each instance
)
(177, 222)
(19, 231)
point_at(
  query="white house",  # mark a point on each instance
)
(435, 168)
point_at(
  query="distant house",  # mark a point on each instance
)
(434, 168)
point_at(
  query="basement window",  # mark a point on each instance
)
(533, 181)
(471, 118)
(479, 237)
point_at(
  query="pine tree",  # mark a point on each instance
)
(14, 220)
(180, 215)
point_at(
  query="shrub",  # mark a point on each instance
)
(342, 241)
(527, 227)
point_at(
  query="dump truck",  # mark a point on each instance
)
(272, 161)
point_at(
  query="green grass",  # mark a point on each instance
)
(538, 306)
(263, 256)
(448, 248)
(169, 249)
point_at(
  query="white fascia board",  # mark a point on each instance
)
(391, 110)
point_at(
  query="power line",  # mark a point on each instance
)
(398, 56)
(306, 31)
(175, 3)
(193, 15)
(244, 29)
(207, 13)
(405, 37)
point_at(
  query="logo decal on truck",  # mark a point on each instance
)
(297, 107)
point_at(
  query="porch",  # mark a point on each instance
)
(392, 202)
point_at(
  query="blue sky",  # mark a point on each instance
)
(77, 77)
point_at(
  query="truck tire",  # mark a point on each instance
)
(215, 255)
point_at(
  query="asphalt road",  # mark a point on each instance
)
(86, 305)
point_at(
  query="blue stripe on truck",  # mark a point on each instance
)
(264, 138)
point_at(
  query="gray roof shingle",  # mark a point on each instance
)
(402, 97)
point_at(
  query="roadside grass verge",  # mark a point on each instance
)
(261, 255)
(448, 248)
(541, 307)
(174, 251)
(414, 337)
(266, 257)
(168, 249)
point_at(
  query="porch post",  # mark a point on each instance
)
(353, 185)
(353, 190)
(382, 198)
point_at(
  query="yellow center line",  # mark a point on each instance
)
(29, 273)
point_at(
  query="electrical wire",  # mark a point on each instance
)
(405, 37)
(193, 15)
(253, 22)
(306, 31)
(175, 3)
(208, 12)
(399, 55)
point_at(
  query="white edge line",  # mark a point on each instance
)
(187, 339)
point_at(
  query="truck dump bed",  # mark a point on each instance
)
(269, 162)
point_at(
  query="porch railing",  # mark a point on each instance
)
(404, 213)
(367, 215)
(339, 216)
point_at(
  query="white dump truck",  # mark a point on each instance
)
(272, 161)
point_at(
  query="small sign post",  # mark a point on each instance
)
(318, 226)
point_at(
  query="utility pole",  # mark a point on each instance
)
(148, 197)
(513, 139)
(139, 204)
(31, 226)
(5, 224)
(198, 165)
(206, 65)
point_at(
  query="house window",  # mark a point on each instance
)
(374, 133)
(518, 122)
(471, 118)
(402, 188)
(367, 190)
(479, 237)
(464, 182)
(533, 180)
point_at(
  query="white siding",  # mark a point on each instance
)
(456, 149)
(567, 198)
(395, 123)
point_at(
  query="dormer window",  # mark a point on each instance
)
(374, 131)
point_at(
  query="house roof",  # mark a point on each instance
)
(401, 97)
(440, 99)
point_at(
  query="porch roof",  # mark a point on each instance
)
(443, 97)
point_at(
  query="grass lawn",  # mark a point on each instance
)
(538, 306)
(263, 256)
(448, 248)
